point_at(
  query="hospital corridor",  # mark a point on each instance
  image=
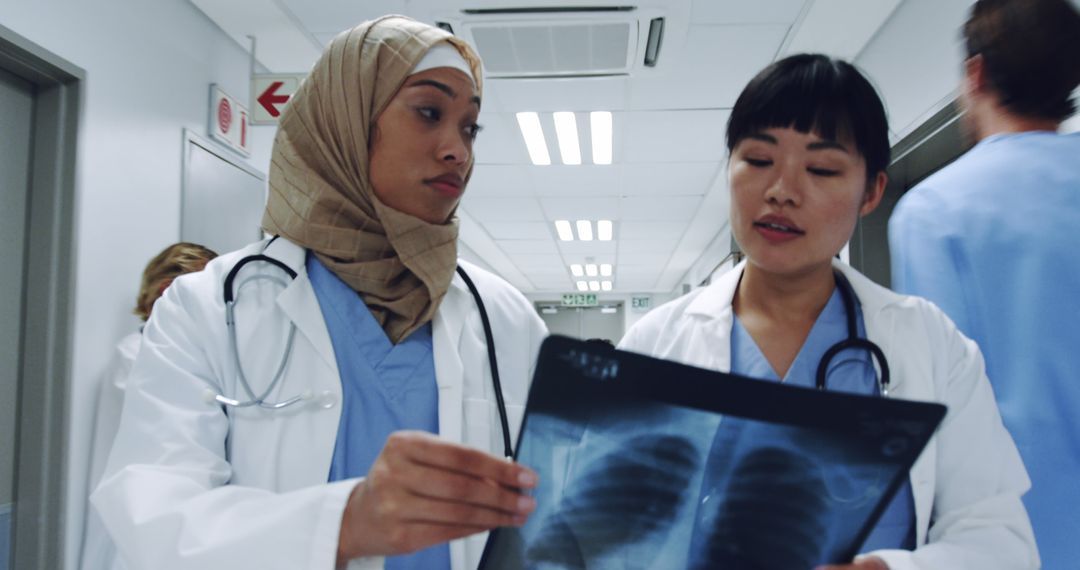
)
(560, 284)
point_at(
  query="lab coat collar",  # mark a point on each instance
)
(715, 303)
(298, 300)
(718, 297)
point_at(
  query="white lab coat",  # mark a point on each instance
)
(98, 550)
(192, 485)
(968, 482)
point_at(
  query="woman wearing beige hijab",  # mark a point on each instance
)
(387, 346)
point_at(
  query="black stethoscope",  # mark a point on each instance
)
(853, 341)
(261, 399)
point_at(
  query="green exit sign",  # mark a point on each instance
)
(579, 300)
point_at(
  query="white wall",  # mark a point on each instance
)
(148, 67)
(915, 60)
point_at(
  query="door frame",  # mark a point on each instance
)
(48, 303)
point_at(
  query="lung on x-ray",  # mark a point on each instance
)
(649, 464)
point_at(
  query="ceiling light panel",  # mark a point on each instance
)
(605, 285)
(529, 123)
(591, 270)
(562, 227)
(582, 286)
(576, 270)
(604, 230)
(584, 230)
(600, 128)
(567, 134)
(605, 269)
(594, 285)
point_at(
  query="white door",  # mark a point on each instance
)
(16, 117)
(223, 198)
(605, 322)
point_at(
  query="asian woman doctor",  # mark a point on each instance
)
(357, 308)
(808, 144)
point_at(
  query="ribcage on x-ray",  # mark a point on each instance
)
(618, 499)
(770, 516)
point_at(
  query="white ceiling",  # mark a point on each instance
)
(665, 191)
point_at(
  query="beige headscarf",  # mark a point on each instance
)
(320, 193)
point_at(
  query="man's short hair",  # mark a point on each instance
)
(1031, 53)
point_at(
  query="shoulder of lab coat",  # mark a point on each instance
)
(967, 483)
(190, 484)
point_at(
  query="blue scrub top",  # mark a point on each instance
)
(386, 388)
(991, 239)
(850, 371)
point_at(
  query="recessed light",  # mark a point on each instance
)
(603, 230)
(584, 230)
(529, 123)
(562, 227)
(590, 270)
(594, 285)
(576, 270)
(606, 285)
(582, 286)
(600, 125)
(605, 269)
(566, 132)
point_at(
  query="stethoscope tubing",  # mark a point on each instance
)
(260, 400)
(853, 341)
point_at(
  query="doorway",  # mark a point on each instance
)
(605, 321)
(39, 108)
(16, 112)
(223, 198)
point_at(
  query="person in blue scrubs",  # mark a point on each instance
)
(991, 240)
(808, 144)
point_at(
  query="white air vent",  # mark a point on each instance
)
(556, 48)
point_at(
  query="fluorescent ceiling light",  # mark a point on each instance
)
(590, 270)
(606, 285)
(594, 285)
(600, 125)
(608, 310)
(582, 286)
(605, 269)
(584, 230)
(566, 131)
(549, 311)
(564, 230)
(576, 270)
(529, 123)
(603, 230)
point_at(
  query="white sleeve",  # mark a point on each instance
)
(165, 496)
(978, 519)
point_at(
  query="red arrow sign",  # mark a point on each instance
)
(270, 101)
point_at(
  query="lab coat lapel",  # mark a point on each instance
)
(299, 303)
(447, 327)
(879, 321)
(715, 305)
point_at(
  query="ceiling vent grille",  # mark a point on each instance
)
(556, 48)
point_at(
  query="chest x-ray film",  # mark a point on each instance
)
(649, 464)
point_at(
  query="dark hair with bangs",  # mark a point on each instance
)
(819, 94)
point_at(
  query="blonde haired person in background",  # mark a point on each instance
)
(173, 261)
